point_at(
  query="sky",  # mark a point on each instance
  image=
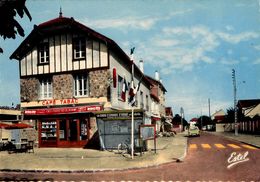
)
(193, 44)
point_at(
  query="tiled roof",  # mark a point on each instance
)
(154, 82)
(64, 24)
(248, 103)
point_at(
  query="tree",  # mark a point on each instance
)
(230, 117)
(203, 121)
(9, 26)
(177, 120)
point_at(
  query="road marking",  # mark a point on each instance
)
(220, 146)
(249, 147)
(193, 146)
(234, 146)
(206, 146)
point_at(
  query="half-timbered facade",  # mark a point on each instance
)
(67, 73)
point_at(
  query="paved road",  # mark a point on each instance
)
(209, 158)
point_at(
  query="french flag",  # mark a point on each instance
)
(124, 89)
(132, 94)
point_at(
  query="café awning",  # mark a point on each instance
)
(63, 110)
(15, 126)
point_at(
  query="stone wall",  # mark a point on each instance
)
(99, 82)
(62, 86)
(29, 89)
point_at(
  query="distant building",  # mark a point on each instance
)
(157, 100)
(219, 118)
(218, 115)
(246, 105)
(167, 125)
(9, 114)
(251, 110)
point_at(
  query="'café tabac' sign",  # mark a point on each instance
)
(59, 101)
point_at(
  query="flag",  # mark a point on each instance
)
(131, 93)
(131, 100)
(124, 89)
(132, 53)
(136, 89)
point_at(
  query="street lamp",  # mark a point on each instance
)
(235, 99)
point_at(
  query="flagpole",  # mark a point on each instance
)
(132, 135)
(132, 122)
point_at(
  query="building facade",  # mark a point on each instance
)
(250, 109)
(157, 101)
(67, 73)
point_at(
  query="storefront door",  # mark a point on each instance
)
(73, 130)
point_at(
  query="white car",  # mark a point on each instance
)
(193, 131)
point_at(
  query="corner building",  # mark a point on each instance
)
(67, 73)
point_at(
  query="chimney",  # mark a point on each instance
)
(156, 75)
(141, 65)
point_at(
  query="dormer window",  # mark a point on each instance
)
(43, 53)
(79, 48)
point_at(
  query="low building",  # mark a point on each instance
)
(219, 118)
(67, 73)
(251, 120)
(9, 114)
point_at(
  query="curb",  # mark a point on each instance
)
(237, 140)
(179, 159)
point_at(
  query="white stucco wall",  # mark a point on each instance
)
(124, 72)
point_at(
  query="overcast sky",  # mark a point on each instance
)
(194, 44)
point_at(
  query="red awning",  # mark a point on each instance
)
(15, 126)
(155, 119)
(3, 125)
(63, 110)
(19, 126)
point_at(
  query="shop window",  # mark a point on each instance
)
(83, 129)
(81, 85)
(48, 130)
(45, 88)
(79, 48)
(43, 53)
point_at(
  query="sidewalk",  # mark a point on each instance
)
(85, 160)
(245, 138)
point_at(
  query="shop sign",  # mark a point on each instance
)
(63, 110)
(148, 132)
(59, 101)
(121, 115)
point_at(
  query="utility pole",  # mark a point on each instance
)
(182, 113)
(209, 107)
(235, 100)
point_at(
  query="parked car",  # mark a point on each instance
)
(193, 131)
